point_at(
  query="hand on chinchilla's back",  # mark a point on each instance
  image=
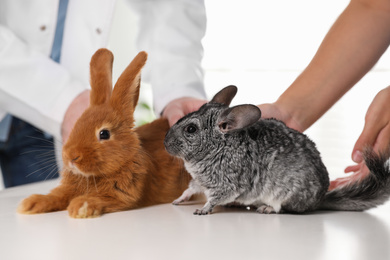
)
(233, 156)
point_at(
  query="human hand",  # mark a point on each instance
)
(275, 110)
(180, 107)
(376, 134)
(360, 171)
(376, 131)
(74, 111)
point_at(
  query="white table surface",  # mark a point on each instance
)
(173, 232)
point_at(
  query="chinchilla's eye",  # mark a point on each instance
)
(191, 128)
(104, 134)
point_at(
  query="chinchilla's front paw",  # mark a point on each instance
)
(84, 207)
(207, 208)
(38, 203)
(202, 211)
(186, 196)
(265, 209)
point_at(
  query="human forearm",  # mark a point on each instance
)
(352, 46)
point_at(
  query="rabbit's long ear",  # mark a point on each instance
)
(126, 90)
(101, 76)
(238, 117)
(225, 96)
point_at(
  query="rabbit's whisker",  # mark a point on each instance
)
(50, 160)
(95, 183)
(55, 140)
(105, 176)
(87, 179)
(52, 172)
(44, 167)
(45, 140)
(41, 151)
(46, 154)
(79, 181)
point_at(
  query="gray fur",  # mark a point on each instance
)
(233, 157)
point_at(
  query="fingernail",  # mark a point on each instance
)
(357, 157)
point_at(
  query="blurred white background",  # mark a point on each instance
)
(261, 47)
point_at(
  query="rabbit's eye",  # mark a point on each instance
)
(191, 129)
(104, 134)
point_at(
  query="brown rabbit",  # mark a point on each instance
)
(108, 165)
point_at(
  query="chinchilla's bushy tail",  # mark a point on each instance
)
(369, 192)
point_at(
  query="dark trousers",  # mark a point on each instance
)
(27, 156)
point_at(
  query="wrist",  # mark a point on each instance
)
(290, 114)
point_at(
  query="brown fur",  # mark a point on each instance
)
(127, 171)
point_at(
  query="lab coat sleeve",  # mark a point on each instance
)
(171, 32)
(32, 86)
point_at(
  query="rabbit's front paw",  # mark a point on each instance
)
(39, 204)
(83, 207)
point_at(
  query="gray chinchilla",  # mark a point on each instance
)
(233, 157)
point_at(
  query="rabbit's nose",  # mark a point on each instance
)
(75, 159)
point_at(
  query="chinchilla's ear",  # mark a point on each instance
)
(238, 117)
(126, 91)
(101, 76)
(225, 96)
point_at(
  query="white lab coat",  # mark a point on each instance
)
(39, 90)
